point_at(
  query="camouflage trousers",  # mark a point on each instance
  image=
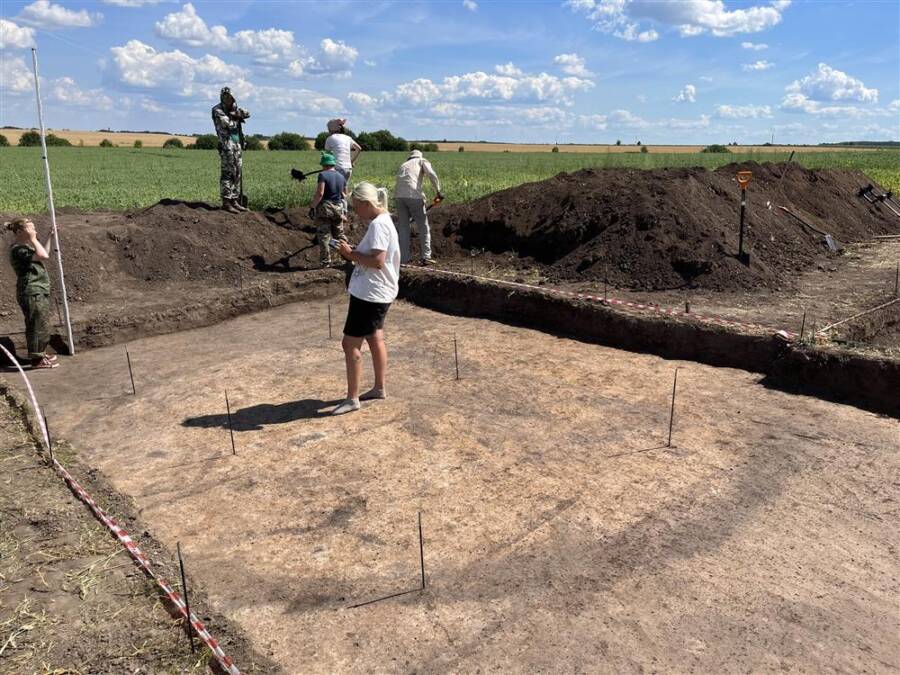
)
(232, 165)
(36, 309)
(329, 225)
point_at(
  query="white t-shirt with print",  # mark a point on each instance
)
(374, 285)
(340, 145)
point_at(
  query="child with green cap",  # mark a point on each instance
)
(326, 209)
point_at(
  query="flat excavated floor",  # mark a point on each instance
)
(560, 534)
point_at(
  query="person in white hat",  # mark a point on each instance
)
(343, 147)
(410, 201)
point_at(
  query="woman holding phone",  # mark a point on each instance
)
(373, 286)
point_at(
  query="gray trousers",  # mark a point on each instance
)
(412, 209)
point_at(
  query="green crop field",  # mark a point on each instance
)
(120, 178)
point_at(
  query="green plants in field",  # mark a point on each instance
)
(94, 178)
(173, 143)
(715, 147)
(106, 143)
(138, 144)
(4, 141)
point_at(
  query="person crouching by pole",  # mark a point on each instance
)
(373, 287)
(327, 207)
(228, 118)
(27, 256)
(410, 202)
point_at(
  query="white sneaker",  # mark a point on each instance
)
(350, 405)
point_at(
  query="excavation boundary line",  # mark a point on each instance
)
(224, 661)
(656, 309)
(858, 315)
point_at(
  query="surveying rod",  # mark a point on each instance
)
(59, 264)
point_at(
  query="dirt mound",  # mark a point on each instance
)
(667, 228)
(170, 242)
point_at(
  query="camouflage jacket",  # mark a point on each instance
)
(226, 126)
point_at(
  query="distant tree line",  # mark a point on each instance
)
(371, 141)
(378, 141)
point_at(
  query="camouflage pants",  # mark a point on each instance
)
(232, 165)
(36, 309)
(329, 224)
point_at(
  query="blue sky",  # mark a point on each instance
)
(594, 71)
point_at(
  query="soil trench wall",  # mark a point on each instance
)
(866, 382)
(103, 331)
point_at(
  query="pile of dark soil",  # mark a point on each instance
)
(169, 242)
(667, 228)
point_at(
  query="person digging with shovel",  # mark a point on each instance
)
(228, 118)
(409, 198)
(327, 207)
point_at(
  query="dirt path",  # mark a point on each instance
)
(560, 534)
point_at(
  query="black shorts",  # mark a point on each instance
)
(364, 318)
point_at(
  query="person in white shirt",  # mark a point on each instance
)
(409, 199)
(342, 146)
(374, 285)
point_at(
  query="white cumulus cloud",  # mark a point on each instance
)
(623, 18)
(131, 3)
(66, 91)
(470, 5)
(139, 65)
(45, 14)
(831, 92)
(334, 57)
(518, 87)
(572, 64)
(829, 84)
(727, 111)
(15, 77)
(756, 66)
(624, 119)
(688, 94)
(754, 46)
(508, 69)
(14, 36)
(270, 46)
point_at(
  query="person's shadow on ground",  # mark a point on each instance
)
(256, 417)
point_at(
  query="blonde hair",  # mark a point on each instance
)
(16, 225)
(366, 192)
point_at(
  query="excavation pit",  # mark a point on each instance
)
(560, 533)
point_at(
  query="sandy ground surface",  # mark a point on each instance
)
(560, 534)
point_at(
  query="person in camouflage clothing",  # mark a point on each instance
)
(227, 118)
(27, 256)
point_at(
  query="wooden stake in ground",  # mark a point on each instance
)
(672, 411)
(49, 441)
(329, 322)
(59, 264)
(187, 602)
(421, 551)
(130, 372)
(456, 356)
(230, 426)
(802, 326)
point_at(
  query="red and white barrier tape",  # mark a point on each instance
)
(622, 303)
(125, 539)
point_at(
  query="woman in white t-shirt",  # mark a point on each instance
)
(373, 287)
